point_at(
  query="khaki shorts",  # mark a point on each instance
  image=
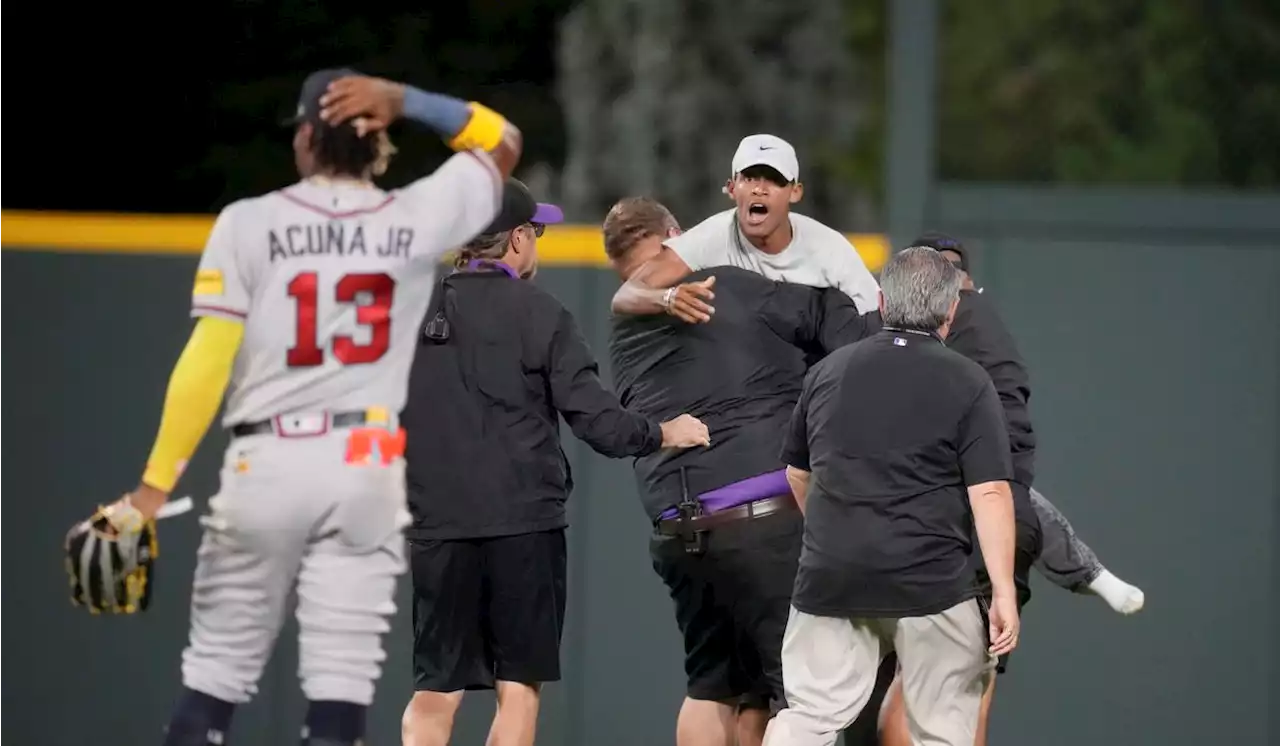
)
(829, 670)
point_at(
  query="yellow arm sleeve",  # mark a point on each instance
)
(483, 130)
(196, 388)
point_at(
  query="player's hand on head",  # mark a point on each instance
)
(685, 431)
(374, 102)
(691, 301)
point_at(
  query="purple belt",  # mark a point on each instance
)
(740, 493)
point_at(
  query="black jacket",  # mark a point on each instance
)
(979, 334)
(482, 418)
(741, 374)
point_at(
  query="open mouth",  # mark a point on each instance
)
(756, 213)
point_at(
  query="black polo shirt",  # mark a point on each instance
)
(740, 373)
(893, 430)
(979, 334)
(482, 419)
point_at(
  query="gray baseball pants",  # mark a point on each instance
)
(291, 514)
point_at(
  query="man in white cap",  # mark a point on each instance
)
(760, 233)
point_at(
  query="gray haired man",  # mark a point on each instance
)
(889, 438)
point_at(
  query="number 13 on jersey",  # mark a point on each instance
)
(372, 311)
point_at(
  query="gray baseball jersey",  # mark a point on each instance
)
(331, 279)
(817, 256)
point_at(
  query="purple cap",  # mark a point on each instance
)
(547, 214)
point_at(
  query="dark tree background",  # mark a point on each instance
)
(177, 110)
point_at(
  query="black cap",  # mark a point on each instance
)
(312, 89)
(519, 207)
(943, 242)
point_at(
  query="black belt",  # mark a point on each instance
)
(754, 509)
(266, 427)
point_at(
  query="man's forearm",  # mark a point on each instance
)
(444, 114)
(799, 481)
(195, 391)
(992, 504)
(618, 433)
(637, 299)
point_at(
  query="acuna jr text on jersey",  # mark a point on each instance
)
(342, 239)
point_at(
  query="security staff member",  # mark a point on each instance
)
(1046, 539)
(980, 335)
(886, 440)
(726, 528)
(500, 361)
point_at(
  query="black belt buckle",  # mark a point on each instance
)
(695, 541)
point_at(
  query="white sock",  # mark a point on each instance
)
(1119, 595)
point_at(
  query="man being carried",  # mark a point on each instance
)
(760, 233)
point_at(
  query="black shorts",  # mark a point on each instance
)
(732, 604)
(486, 610)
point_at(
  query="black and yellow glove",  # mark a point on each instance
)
(109, 559)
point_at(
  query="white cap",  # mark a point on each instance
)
(767, 150)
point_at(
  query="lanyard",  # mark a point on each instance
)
(917, 332)
(476, 265)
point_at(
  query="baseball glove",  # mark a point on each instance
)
(109, 558)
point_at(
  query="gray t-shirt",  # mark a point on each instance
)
(817, 256)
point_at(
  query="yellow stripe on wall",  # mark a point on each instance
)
(109, 233)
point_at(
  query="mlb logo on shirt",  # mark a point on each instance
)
(899, 342)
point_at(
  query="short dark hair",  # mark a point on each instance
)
(768, 173)
(344, 152)
(633, 219)
(943, 242)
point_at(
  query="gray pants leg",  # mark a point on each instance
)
(1064, 559)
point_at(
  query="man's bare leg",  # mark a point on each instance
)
(516, 721)
(705, 722)
(893, 717)
(428, 718)
(980, 739)
(751, 724)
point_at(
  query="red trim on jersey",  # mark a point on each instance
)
(337, 215)
(220, 309)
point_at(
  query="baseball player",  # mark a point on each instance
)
(306, 303)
